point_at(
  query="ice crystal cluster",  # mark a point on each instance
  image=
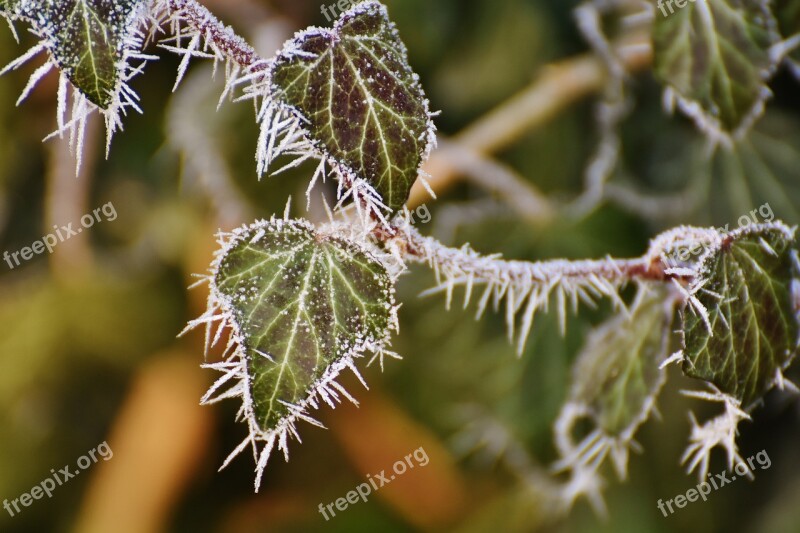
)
(96, 45)
(296, 304)
(301, 306)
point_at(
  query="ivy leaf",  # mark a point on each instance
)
(303, 305)
(751, 334)
(715, 54)
(86, 38)
(360, 101)
(617, 375)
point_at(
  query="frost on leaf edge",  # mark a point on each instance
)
(703, 270)
(283, 130)
(721, 431)
(233, 362)
(71, 120)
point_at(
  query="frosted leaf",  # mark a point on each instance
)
(615, 382)
(716, 56)
(356, 101)
(302, 306)
(617, 373)
(749, 332)
(93, 44)
(86, 38)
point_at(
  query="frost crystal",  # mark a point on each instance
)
(525, 287)
(347, 98)
(97, 47)
(301, 306)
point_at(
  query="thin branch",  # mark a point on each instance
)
(526, 287)
(559, 87)
(496, 177)
(429, 250)
(223, 37)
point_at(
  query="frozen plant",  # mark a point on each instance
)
(296, 304)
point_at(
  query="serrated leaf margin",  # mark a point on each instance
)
(590, 453)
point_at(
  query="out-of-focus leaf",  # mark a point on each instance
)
(363, 104)
(752, 330)
(302, 302)
(669, 177)
(52, 334)
(716, 55)
(760, 172)
(617, 374)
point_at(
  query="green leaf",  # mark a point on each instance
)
(86, 39)
(752, 330)
(617, 375)
(302, 302)
(361, 103)
(716, 55)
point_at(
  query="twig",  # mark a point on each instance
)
(559, 86)
(494, 176)
(224, 38)
(526, 287)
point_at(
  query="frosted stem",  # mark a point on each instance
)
(526, 287)
(224, 38)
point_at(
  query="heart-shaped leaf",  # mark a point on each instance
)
(86, 38)
(716, 55)
(302, 306)
(750, 334)
(362, 105)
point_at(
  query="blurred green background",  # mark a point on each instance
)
(88, 346)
